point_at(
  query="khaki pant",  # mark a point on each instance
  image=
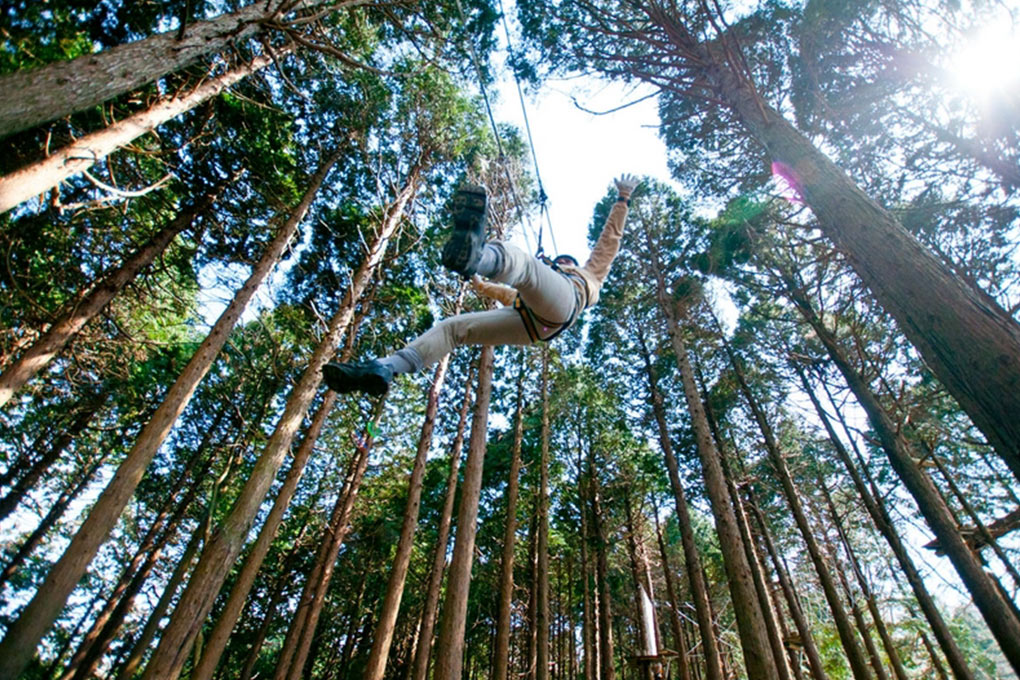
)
(548, 293)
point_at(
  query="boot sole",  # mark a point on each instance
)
(463, 246)
(344, 382)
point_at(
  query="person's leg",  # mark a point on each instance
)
(493, 327)
(549, 294)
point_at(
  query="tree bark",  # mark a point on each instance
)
(869, 597)
(221, 552)
(25, 633)
(56, 511)
(692, 559)
(858, 664)
(750, 619)
(501, 654)
(376, 665)
(39, 177)
(542, 594)
(217, 640)
(428, 617)
(793, 602)
(682, 662)
(997, 612)
(604, 613)
(62, 88)
(883, 522)
(337, 533)
(450, 648)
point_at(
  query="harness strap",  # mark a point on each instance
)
(532, 321)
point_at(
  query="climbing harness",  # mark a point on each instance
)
(538, 328)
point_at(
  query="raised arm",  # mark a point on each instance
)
(608, 245)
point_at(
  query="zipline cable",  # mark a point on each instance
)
(542, 196)
(499, 144)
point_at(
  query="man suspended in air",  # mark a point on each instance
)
(542, 298)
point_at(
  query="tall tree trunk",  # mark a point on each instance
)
(39, 177)
(971, 343)
(432, 591)
(772, 623)
(588, 635)
(450, 648)
(644, 610)
(750, 620)
(221, 552)
(692, 559)
(542, 594)
(24, 634)
(62, 88)
(376, 665)
(217, 640)
(858, 664)
(997, 612)
(108, 623)
(501, 654)
(604, 614)
(339, 527)
(792, 601)
(682, 662)
(883, 522)
(28, 480)
(883, 632)
(141, 645)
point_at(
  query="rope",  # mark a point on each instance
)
(499, 143)
(542, 196)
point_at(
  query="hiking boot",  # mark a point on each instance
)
(371, 377)
(463, 250)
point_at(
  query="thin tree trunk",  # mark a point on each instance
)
(62, 88)
(883, 632)
(692, 559)
(27, 481)
(606, 670)
(39, 177)
(588, 635)
(997, 612)
(883, 522)
(501, 655)
(858, 664)
(644, 611)
(24, 634)
(277, 594)
(297, 644)
(542, 594)
(750, 619)
(217, 640)
(338, 533)
(429, 610)
(792, 601)
(682, 662)
(221, 552)
(141, 645)
(450, 648)
(376, 665)
(109, 622)
(56, 511)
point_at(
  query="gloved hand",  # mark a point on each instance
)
(625, 184)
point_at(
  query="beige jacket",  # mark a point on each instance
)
(594, 271)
